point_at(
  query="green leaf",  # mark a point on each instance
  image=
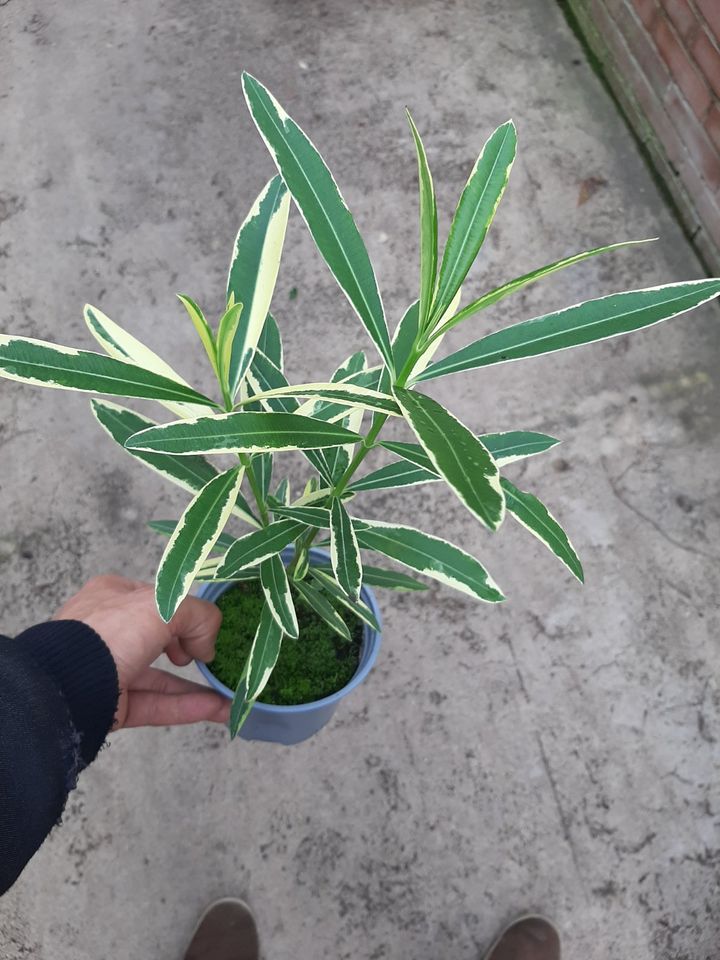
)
(262, 466)
(428, 228)
(227, 330)
(257, 546)
(270, 342)
(323, 209)
(260, 665)
(190, 473)
(390, 579)
(429, 555)
(265, 377)
(277, 594)
(406, 334)
(168, 527)
(253, 272)
(312, 516)
(343, 393)
(202, 328)
(535, 517)
(504, 447)
(582, 323)
(359, 608)
(282, 494)
(49, 365)
(474, 214)
(457, 455)
(400, 474)
(344, 551)
(121, 345)
(322, 607)
(499, 293)
(193, 539)
(241, 433)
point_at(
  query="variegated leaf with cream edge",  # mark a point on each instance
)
(322, 606)
(276, 589)
(253, 273)
(429, 555)
(189, 472)
(428, 228)
(580, 324)
(359, 607)
(454, 317)
(319, 200)
(343, 393)
(121, 345)
(535, 517)
(457, 455)
(46, 364)
(261, 662)
(344, 550)
(167, 527)
(504, 447)
(257, 546)
(241, 433)
(193, 539)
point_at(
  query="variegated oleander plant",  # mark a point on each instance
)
(259, 414)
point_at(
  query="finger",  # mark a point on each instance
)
(195, 625)
(149, 709)
(161, 681)
(176, 654)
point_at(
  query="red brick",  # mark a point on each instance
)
(710, 9)
(712, 125)
(647, 10)
(681, 67)
(707, 58)
(698, 144)
(684, 18)
(628, 33)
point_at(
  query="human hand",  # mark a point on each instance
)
(123, 613)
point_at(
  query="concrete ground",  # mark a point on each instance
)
(559, 753)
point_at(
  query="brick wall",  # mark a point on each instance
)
(662, 60)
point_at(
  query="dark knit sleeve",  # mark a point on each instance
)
(58, 696)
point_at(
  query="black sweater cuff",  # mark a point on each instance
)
(76, 657)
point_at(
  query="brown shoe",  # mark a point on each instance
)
(226, 931)
(529, 938)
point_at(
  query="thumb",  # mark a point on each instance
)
(195, 626)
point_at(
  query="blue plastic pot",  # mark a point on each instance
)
(289, 725)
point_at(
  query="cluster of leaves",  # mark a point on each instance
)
(261, 414)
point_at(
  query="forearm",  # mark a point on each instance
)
(58, 695)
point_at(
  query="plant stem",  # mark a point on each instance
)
(257, 493)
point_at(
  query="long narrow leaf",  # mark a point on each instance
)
(312, 516)
(226, 337)
(270, 342)
(202, 328)
(322, 607)
(190, 473)
(381, 577)
(359, 608)
(461, 459)
(344, 551)
(582, 323)
(241, 433)
(428, 227)
(535, 517)
(257, 546)
(261, 663)
(504, 447)
(429, 555)
(474, 214)
(49, 365)
(350, 395)
(323, 208)
(277, 594)
(499, 293)
(121, 345)
(168, 527)
(400, 474)
(253, 272)
(193, 539)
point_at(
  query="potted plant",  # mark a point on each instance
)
(275, 569)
